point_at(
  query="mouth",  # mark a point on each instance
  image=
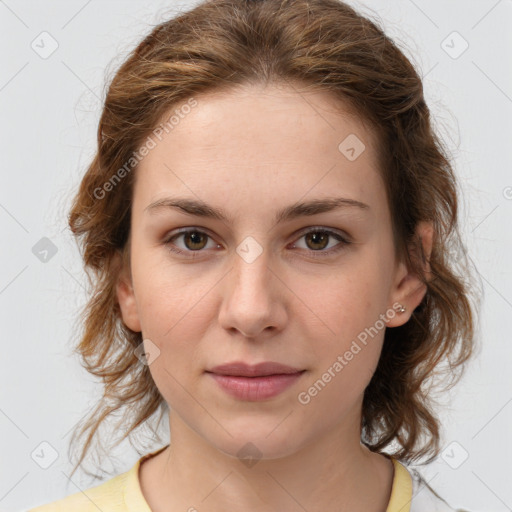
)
(241, 369)
(255, 382)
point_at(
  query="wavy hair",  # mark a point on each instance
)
(324, 45)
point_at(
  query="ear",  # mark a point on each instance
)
(408, 290)
(126, 296)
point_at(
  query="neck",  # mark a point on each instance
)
(333, 473)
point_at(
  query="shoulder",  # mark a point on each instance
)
(121, 493)
(424, 498)
(108, 496)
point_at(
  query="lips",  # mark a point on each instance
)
(257, 382)
(241, 369)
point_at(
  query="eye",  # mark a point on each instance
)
(317, 239)
(194, 240)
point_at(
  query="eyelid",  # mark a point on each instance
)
(183, 231)
(335, 231)
(343, 238)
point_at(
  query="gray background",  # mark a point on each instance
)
(49, 110)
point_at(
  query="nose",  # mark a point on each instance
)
(253, 300)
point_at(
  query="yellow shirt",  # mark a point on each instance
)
(123, 494)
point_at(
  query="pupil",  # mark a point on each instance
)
(315, 237)
(195, 238)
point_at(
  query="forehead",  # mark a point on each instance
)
(253, 140)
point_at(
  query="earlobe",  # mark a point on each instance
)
(409, 289)
(126, 298)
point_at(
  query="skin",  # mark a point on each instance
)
(253, 151)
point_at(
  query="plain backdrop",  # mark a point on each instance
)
(50, 106)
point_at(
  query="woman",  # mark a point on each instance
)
(271, 221)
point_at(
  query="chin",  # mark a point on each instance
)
(256, 440)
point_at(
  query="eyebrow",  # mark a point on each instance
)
(201, 209)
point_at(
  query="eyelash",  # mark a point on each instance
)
(315, 254)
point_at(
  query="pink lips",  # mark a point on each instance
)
(255, 382)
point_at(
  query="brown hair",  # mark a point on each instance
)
(327, 46)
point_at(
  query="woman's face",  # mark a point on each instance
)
(254, 286)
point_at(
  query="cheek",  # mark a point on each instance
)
(346, 305)
(169, 320)
(172, 323)
(351, 311)
(342, 371)
(167, 297)
(174, 315)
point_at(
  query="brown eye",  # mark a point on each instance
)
(195, 240)
(192, 243)
(322, 242)
(318, 239)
